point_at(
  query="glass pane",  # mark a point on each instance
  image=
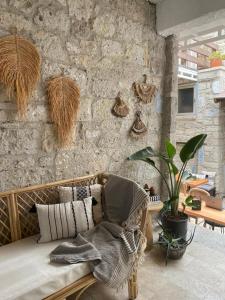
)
(186, 100)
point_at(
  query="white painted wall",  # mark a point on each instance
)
(172, 13)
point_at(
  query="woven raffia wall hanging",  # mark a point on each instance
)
(138, 128)
(19, 69)
(64, 100)
(144, 91)
(120, 109)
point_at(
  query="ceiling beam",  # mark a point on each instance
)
(207, 42)
(193, 17)
(202, 63)
(201, 51)
(195, 35)
(212, 46)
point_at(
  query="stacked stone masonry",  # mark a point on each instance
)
(105, 46)
(209, 118)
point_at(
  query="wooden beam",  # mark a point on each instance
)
(201, 51)
(196, 60)
(207, 42)
(51, 184)
(212, 46)
(194, 36)
(72, 288)
(14, 218)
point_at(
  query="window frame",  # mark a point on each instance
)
(183, 87)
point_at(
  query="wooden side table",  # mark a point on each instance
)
(149, 230)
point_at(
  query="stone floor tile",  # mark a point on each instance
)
(198, 275)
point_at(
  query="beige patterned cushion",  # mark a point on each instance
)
(67, 194)
(64, 220)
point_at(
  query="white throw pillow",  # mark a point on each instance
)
(64, 220)
(68, 194)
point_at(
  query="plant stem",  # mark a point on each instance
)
(180, 178)
(164, 179)
(170, 175)
(181, 175)
(175, 203)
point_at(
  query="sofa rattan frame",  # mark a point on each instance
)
(16, 222)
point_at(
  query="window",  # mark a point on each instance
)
(186, 100)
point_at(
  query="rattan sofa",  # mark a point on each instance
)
(17, 223)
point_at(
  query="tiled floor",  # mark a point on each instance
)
(200, 274)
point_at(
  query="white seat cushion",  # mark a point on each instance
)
(26, 273)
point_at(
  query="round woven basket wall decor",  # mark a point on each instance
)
(120, 108)
(138, 128)
(144, 91)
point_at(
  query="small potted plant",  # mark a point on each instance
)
(174, 247)
(216, 59)
(174, 220)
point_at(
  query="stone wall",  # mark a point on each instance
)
(209, 118)
(105, 46)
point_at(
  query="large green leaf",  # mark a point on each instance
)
(170, 149)
(146, 153)
(191, 147)
(142, 154)
(149, 161)
(188, 201)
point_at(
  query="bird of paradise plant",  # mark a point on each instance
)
(175, 175)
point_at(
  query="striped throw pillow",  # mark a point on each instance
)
(64, 220)
(67, 194)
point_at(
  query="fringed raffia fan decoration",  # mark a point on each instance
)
(19, 69)
(120, 109)
(64, 100)
(138, 129)
(144, 91)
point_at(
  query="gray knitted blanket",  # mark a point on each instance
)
(111, 247)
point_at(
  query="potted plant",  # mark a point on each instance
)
(174, 247)
(216, 59)
(173, 220)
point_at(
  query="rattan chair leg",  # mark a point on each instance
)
(133, 287)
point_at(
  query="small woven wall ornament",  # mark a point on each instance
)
(138, 128)
(64, 100)
(144, 91)
(19, 69)
(120, 108)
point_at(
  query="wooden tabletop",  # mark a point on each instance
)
(196, 182)
(207, 213)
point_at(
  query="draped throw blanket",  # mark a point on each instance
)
(113, 246)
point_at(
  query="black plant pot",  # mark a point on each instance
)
(176, 225)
